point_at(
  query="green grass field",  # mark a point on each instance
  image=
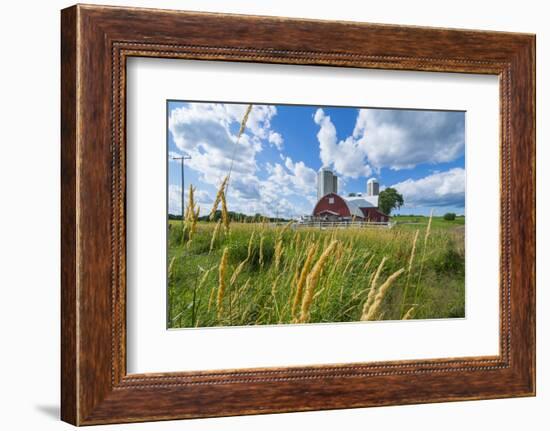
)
(267, 278)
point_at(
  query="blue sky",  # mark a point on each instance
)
(421, 153)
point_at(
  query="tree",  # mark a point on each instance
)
(449, 216)
(389, 199)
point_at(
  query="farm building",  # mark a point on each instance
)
(356, 206)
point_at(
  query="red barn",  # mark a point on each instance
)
(333, 207)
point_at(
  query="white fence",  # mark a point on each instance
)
(343, 224)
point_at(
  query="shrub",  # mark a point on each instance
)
(449, 216)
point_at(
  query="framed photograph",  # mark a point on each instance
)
(264, 215)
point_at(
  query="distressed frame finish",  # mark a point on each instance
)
(95, 43)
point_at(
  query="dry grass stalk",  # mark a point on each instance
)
(428, 228)
(285, 228)
(211, 299)
(350, 261)
(218, 198)
(294, 279)
(237, 271)
(193, 225)
(278, 253)
(373, 309)
(413, 249)
(204, 277)
(312, 279)
(191, 215)
(367, 265)
(295, 240)
(302, 279)
(339, 252)
(185, 230)
(372, 291)
(319, 292)
(225, 214)
(244, 287)
(426, 236)
(244, 120)
(235, 145)
(261, 256)
(236, 299)
(197, 213)
(274, 285)
(171, 269)
(378, 272)
(190, 211)
(241, 266)
(411, 259)
(215, 235)
(334, 267)
(408, 315)
(221, 280)
(326, 242)
(250, 243)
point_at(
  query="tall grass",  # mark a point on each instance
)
(266, 274)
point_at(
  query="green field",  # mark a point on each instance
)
(415, 222)
(267, 278)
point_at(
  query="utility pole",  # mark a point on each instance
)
(182, 161)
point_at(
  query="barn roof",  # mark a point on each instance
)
(354, 209)
(362, 201)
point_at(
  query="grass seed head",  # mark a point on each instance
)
(171, 268)
(278, 253)
(221, 280)
(426, 236)
(250, 243)
(312, 280)
(413, 250)
(381, 293)
(237, 271)
(409, 314)
(372, 291)
(244, 120)
(261, 256)
(225, 214)
(302, 279)
(218, 198)
(215, 235)
(285, 228)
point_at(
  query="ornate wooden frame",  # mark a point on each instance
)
(95, 43)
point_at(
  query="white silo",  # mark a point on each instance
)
(327, 182)
(373, 188)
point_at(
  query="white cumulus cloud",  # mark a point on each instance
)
(399, 139)
(391, 138)
(292, 178)
(441, 189)
(206, 132)
(347, 157)
(276, 139)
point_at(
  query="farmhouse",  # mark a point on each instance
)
(357, 206)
